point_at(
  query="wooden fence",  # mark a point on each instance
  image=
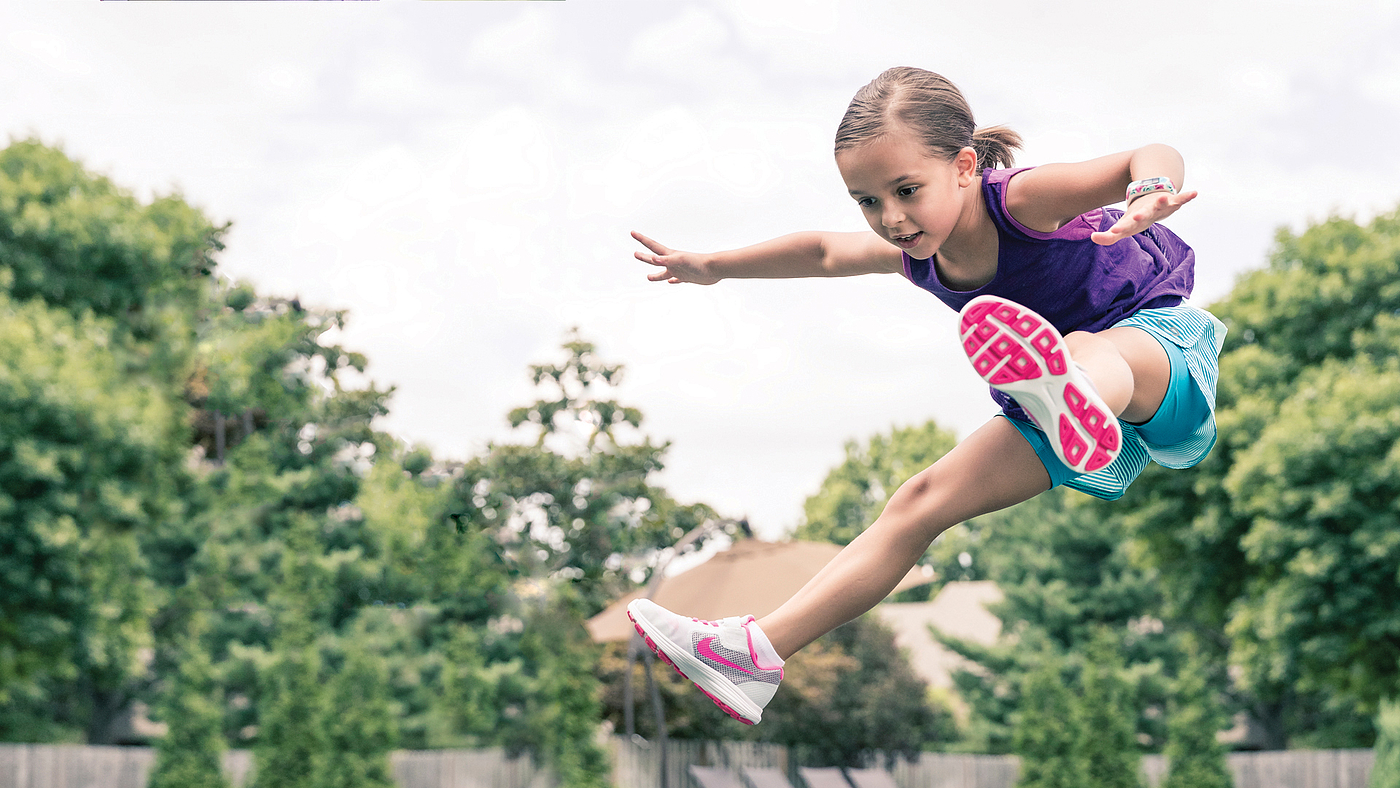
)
(638, 765)
(74, 766)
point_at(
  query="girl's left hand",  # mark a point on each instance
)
(1144, 212)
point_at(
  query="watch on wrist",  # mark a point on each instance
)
(1137, 189)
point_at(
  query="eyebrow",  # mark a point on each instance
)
(895, 182)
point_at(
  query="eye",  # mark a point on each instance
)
(865, 202)
(907, 191)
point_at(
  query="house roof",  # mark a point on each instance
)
(960, 610)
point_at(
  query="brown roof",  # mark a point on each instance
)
(960, 610)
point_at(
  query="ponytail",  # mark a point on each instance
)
(996, 147)
(932, 109)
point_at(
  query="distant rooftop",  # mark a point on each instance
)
(960, 610)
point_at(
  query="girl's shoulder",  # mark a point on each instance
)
(994, 187)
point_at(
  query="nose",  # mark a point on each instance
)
(891, 216)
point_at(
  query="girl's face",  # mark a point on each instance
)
(909, 198)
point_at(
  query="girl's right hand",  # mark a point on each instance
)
(676, 267)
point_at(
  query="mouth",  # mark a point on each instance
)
(907, 241)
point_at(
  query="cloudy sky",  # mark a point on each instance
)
(462, 177)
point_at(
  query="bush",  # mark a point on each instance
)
(1047, 736)
(1195, 757)
(1386, 772)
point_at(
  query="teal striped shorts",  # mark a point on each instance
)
(1185, 421)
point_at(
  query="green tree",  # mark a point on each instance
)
(1047, 736)
(292, 740)
(190, 755)
(294, 460)
(469, 689)
(560, 524)
(1284, 536)
(1195, 757)
(76, 241)
(86, 461)
(97, 296)
(557, 694)
(1106, 714)
(360, 725)
(1386, 771)
(879, 705)
(1066, 569)
(571, 504)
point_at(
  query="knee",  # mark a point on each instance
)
(920, 503)
(1082, 342)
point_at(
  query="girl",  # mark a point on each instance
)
(1071, 311)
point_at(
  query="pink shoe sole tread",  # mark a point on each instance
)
(996, 336)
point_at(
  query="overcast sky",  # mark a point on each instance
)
(462, 177)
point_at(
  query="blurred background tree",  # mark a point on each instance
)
(190, 755)
(1047, 734)
(1279, 550)
(1195, 757)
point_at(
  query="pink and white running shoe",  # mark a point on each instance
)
(730, 660)
(1020, 354)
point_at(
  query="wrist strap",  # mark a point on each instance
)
(1149, 185)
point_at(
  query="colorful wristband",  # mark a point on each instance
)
(1149, 185)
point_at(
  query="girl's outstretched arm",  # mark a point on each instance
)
(791, 256)
(1046, 197)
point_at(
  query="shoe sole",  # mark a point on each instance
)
(1021, 354)
(731, 699)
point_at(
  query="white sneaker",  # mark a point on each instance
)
(730, 660)
(1020, 354)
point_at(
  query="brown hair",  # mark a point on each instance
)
(930, 107)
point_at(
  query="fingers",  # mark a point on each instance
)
(650, 244)
(1144, 213)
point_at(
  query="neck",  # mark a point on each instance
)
(969, 255)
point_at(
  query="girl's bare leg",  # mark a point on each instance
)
(992, 469)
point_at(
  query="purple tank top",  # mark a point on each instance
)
(1073, 282)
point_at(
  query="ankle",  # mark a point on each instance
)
(770, 632)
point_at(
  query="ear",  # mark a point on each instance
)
(966, 163)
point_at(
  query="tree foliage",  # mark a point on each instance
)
(360, 724)
(1047, 738)
(178, 448)
(190, 755)
(1071, 588)
(1106, 712)
(1195, 757)
(1285, 537)
(97, 293)
(1385, 773)
(571, 504)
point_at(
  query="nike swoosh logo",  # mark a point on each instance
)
(708, 652)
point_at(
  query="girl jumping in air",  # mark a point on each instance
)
(1073, 312)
